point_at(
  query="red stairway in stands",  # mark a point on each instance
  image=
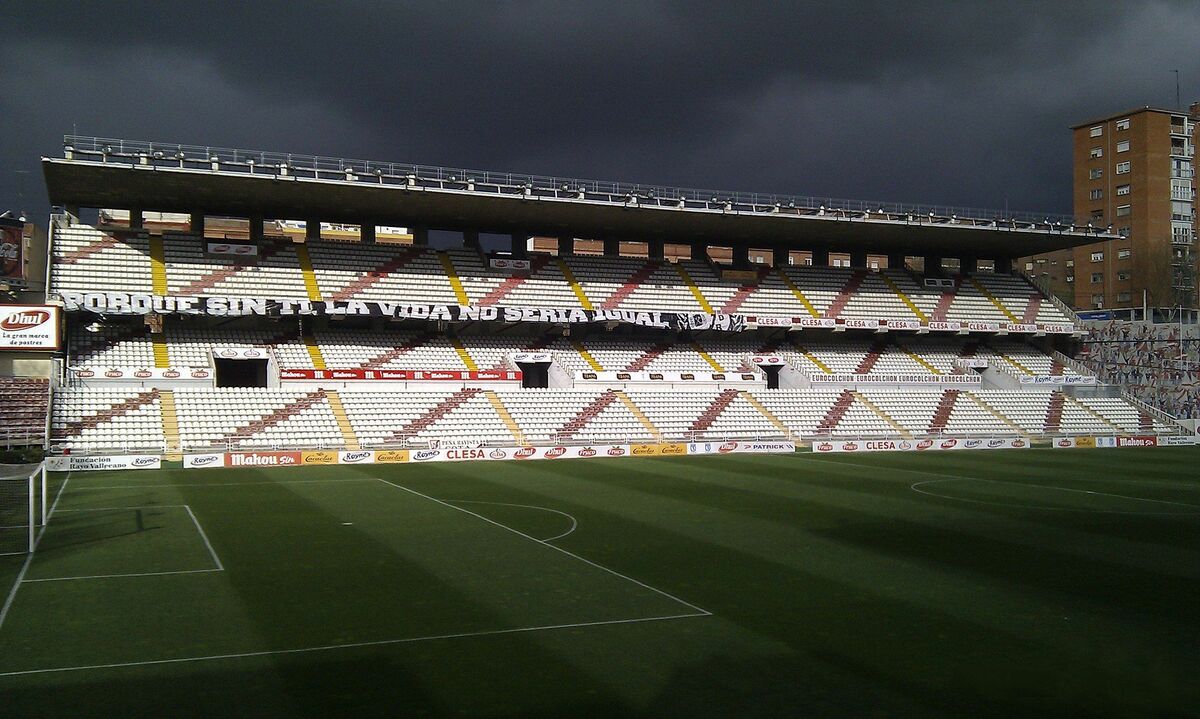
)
(211, 279)
(74, 428)
(372, 277)
(844, 295)
(1053, 422)
(441, 409)
(635, 280)
(836, 412)
(393, 353)
(588, 413)
(743, 293)
(941, 416)
(1056, 367)
(291, 409)
(514, 281)
(944, 302)
(868, 362)
(87, 250)
(714, 410)
(1031, 309)
(647, 357)
(1145, 421)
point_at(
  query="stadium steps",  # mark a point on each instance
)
(641, 416)
(456, 284)
(306, 269)
(762, 409)
(170, 421)
(1054, 411)
(436, 412)
(139, 400)
(992, 298)
(635, 280)
(162, 358)
(275, 416)
(158, 266)
(1032, 307)
(810, 356)
(800, 297)
(587, 356)
(872, 357)
(207, 282)
(512, 282)
(393, 352)
(314, 352)
(588, 413)
(577, 288)
(830, 421)
(945, 300)
(372, 277)
(918, 359)
(714, 410)
(640, 363)
(1145, 421)
(895, 288)
(1012, 361)
(81, 253)
(467, 360)
(1080, 405)
(507, 418)
(343, 421)
(845, 294)
(693, 287)
(882, 415)
(941, 416)
(997, 414)
(707, 357)
(1056, 367)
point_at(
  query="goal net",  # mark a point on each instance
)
(22, 507)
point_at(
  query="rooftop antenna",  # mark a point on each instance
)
(1178, 103)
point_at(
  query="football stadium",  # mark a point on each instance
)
(329, 437)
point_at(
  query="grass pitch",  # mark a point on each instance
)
(1033, 583)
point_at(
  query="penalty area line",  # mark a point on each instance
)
(352, 645)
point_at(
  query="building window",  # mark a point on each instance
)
(1096, 194)
(1123, 124)
(1097, 278)
(1123, 146)
(1124, 210)
(1097, 152)
(1123, 232)
(1098, 216)
(1097, 131)
(1097, 301)
(1095, 173)
(1122, 189)
(1123, 254)
(1122, 297)
(1071, 279)
(1122, 168)
(1098, 256)
(1123, 275)
(1028, 266)
(1070, 263)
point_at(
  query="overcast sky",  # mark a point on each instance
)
(934, 102)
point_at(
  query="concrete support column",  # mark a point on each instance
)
(566, 246)
(612, 247)
(780, 256)
(420, 236)
(858, 258)
(968, 264)
(471, 239)
(656, 249)
(366, 233)
(933, 265)
(196, 223)
(741, 256)
(895, 262)
(312, 230)
(135, 218)
(820, 258)
(1004, 265)
(520, 242)
(256, 228)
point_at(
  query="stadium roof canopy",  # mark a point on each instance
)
(109, 173)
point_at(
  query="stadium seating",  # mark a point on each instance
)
(24, 402)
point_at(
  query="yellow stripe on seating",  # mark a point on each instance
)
(812, 358)
(687, 280)
(577, 288)
(310, 277)
(900, 293)
(707, 357)
(882, 415)
(587, 356)
(1012, 361)
(343, 422)
(464, 355)
(158, 266)
(314, 352)
(999, 305)
(641, 416)
(162, 358)
(799, 295)
(513, 428)
(452, 275)
(920, 360)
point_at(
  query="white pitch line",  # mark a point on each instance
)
(111, 576)
(574, 522)
(218, 484)
(703, 612)
(12, 595)
(916, 487)
(204, 536)
(1085, 491)
(350, 645)
(118, 509)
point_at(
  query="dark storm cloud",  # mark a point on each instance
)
(953, 103)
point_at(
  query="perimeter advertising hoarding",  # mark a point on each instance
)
(918, 445)
(12, 244)
(29, 327)
(76, 463)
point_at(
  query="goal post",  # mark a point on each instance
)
(23, 507)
